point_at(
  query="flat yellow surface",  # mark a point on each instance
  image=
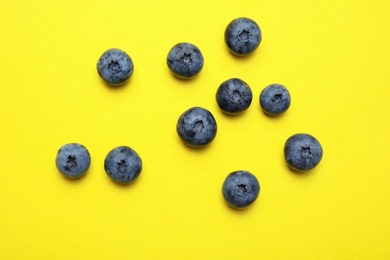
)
(332, 55)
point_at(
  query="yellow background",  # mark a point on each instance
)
(332, 55)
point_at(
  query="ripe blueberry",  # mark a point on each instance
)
(115, 67)
(234, 96)
(275, 99)
(302, 152)
(242, 36)
(185, 60)
(196, 127)
(123, 165)
(240, 189)
(73, 160)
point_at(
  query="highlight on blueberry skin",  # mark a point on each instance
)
(115, 67)
(275, 99)
(185, 60)
(234, 96)
(242, 36)
(73, 160)
(123, 165)
(302, 152)
(240, 189)
(196, 127)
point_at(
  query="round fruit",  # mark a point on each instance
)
(302, 152)
(234, 96)
(115, 67)
(123, 165)
(196, 127)
(240, 189)
(73, 160)
(185, 60)
(242, 36)
(275, 99)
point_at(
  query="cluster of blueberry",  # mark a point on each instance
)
(122, 164)
(197, 127)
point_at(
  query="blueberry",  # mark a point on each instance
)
(115, 67)
(185, 60)
(242, 36)
(302, 152)
(234, 96)
(123, 165)
(275, 99)
(240, 189)
(73, 160)
(196, 127)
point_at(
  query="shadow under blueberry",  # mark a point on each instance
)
(116, 87)
(238, 210)
(272, 117)
(123, 185)
(74, 180)
(243, 58)
(302, 174)
(237, 116)
(186, 81)
(195, 149)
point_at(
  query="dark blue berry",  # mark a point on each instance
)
(123, 165)
(115, 67)
(242, 36)
(240, 189)
(275, 99)
(185, 60)
(234, 96)
(302, 152)
(73, 160)
(196, 127)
